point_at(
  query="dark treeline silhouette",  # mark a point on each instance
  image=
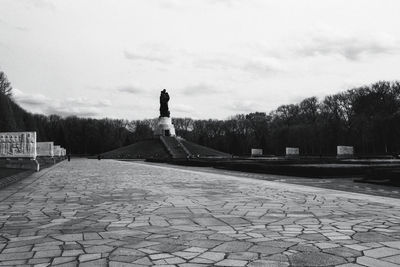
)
(367, 118)
(77, 135)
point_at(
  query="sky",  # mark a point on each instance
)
(216, 58)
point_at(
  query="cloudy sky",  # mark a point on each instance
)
(216, 58)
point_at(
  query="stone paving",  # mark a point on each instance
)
(342, 184)
(99, 213)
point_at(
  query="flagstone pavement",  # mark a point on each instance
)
(112, 213)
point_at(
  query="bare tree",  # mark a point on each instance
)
(5, 85)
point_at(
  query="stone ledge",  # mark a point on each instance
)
(6, 181)
(20, 163)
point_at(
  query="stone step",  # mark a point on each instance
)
(174, 147)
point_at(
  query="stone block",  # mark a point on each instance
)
(18, 145)
(292, 152)
(20, 163)
(45, 149)
(345, 151)
(164, 127)
(57, 151)
(46, 160)
(256, 152)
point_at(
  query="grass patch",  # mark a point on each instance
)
(151, 148)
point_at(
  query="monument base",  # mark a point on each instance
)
(345, 152)
(20, 163)
(164, 127)
(45, 161)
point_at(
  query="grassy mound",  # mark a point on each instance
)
(152, 148)
(203, 151)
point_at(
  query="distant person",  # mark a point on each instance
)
(69, 157)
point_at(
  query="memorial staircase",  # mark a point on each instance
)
(175, 147)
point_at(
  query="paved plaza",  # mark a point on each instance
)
(99, 213)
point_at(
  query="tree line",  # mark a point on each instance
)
(366, 117)
(77, 135)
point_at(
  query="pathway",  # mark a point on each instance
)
(98, 213)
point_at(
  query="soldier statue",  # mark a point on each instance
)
(164, 98)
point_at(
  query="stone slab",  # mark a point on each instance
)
(292, 151)
(45, 149)
(345, 151)
(20, 163)
(18, 145)
(256, 152)
(57, 151)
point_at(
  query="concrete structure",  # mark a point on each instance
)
(18, 150)
(45, 149)
(18, 145)
(256, 152)
(57, 151)
(45, 153)
(345, 151)
(292, 152)
(164, 127)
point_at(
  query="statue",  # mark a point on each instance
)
(164, 98)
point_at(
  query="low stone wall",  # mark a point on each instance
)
(46, 161)
(45, 149)
(256, 152)
(21, 163)
(345, 152)
(292, 152)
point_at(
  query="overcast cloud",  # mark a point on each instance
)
(216, 58)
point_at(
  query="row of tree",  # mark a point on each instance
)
(77, 135)
(367, 118)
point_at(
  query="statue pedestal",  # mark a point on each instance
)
(165, 127)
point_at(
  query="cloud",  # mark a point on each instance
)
(73, 111)
(19, 28)
(225, 2)
(251, 65)
(214, 63)
(199, 89)
(130, 89)
(22, 29)
(243, 106)
(41, 4)
(80, 106)
(31, 100)
(349, 47)
(179, 4)
(83, 101)
(147, 56)
(261, 68)
(170, 4)
(182, 108)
